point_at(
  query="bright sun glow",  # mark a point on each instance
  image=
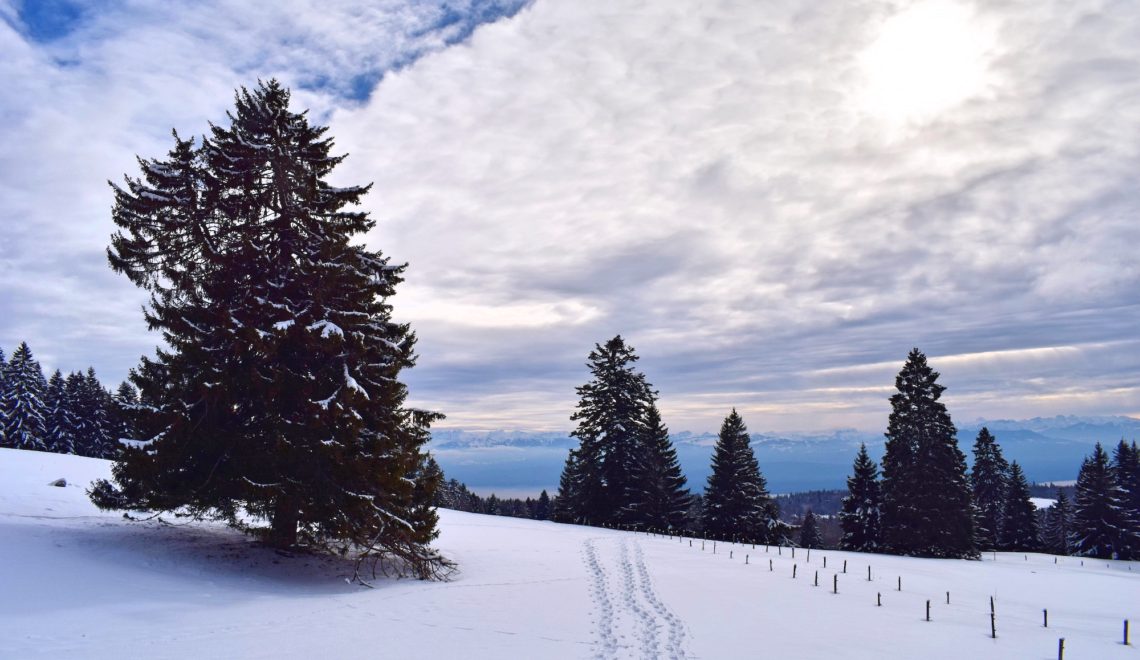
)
(927, 59)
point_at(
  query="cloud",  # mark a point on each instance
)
(709, 181)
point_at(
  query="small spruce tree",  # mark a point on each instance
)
(1019, 524)
(861, 512)
(1097, 517)
(1126, 474)
(989, 481)
(809, 532)
(659, 499)
(22, 408)
(1058, 526)
(736, 503)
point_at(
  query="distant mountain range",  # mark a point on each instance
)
(524, 462)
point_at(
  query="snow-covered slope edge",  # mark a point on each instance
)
(87, 584)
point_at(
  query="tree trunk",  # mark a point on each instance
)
(283, 527)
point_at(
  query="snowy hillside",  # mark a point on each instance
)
(80, 583)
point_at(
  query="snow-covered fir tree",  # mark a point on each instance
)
(125, 405)
(22, 407)
(58, 415)
(1098, 520)
(1055, 537)
(566, 503)
(989, 482)
(658, 497)
(280, 393)
(737, 505)
(860, 516)
(611, 415)
(1126, 474)
(1019, 520)
(926, 494)
(89, 408)
(809, 532)
(3, 392)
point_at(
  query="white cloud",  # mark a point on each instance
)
(705, 179)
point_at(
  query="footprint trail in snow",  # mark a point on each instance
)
(630, 620)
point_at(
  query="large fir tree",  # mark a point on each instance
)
(926, 495)
(279, 395)
(989, 481)
(1098, 520)
(861, 512)
(736, 503)
(1019, 521)
(22, 408)
(658, 497)
(611, 417)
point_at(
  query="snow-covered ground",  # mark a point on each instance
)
(76, 582)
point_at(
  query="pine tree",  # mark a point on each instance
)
(860, 516)
(659, 499)
(22, 410)
(610, 415)
(567, 504)
(736, 502)
(1058, 526)
(1098, 522)
(542, 506)
(279, 395)
(1019, 523)
(1126, 474)
(124, 406)
(59, 423)
(989, 480)
(809, 532)
(3, 393)
(926, 495)
(90, 416)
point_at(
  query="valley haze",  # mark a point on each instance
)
(521, 464)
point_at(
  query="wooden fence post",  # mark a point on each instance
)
(793, 571)
(1061, 649)
(879, 599)
(927, 610)
(1045, 618)
(835, 583)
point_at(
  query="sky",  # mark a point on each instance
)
(772, 202)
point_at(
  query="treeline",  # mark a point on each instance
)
(1101, 520)
(452, 494)
(71, 414)
(924, 502)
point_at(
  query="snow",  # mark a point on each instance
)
(1042, 502)
(78, 582)
(327, 328)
